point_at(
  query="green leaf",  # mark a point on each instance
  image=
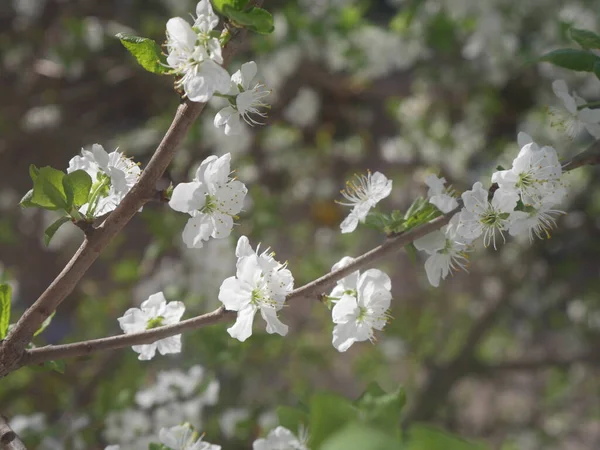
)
(380, 409)
(52, 229)
(577, 60)
(255, 19)
(423, 437)
(146, 51)
(33, 172)
(292, 418)
(235, 4)
(357, 436)
(597, 69)
(26, 200)
(5, 297)
(48, 190)
(585, 38)
(154, 446)
(328, 414)
(80, 184)
(44, 324)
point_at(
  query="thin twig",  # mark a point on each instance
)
(8, 438)
(309, 290)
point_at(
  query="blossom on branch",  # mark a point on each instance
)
(363, 195)
(361, 305)
(261, 284)
(196, 56)
(439, 195)
(246, 100)
(113, 175)
(446, 249)
(483, 217)
(154, 312)
(577, 116)
(212, 200)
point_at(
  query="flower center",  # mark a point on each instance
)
(154, 322)
(210, 204)
(526, 180)
(493, 218)
(363, 314)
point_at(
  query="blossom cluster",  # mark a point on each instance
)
(195, 57)
(521, 204)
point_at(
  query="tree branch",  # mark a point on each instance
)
(309, 290)
(13, 347)
(8, 438)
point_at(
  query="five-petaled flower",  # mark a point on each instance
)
(212, 199)
(261, 284)
(361, 305)
(113, 175)
(153, 313)
(363, 195)
(246, 100)
(480, 216)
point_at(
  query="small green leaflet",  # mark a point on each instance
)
(5, 298)
(49, 191)
(235, 4)
(44, 324)
(585, 38)
(573, 59)
(146, 51)
(79, 183)
(52, 229)
(255, 19)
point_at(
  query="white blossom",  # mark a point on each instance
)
(440, 196)
(536, 220)
(446, 249)
(212, 199)
(480, 216)
(279, 439)
(261, 284)
(169, 386)
(576, 117)
(246, 99)
(196, 56)
(361, 305)
(183, 437)
(363, 195)
(113, 175)
(534, 175)
(154, 312)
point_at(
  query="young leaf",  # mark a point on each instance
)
(48, 190)
(147, 52)
(5, 297)
(33, 172)
(577, 60)
(355, 436)
(328, 414)
(585, 38)
(52, 229)
(255, 19)
(235, 4)
(80, 184)
(26, 200)
(292, 418)
(381, 409)
(44, 324)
